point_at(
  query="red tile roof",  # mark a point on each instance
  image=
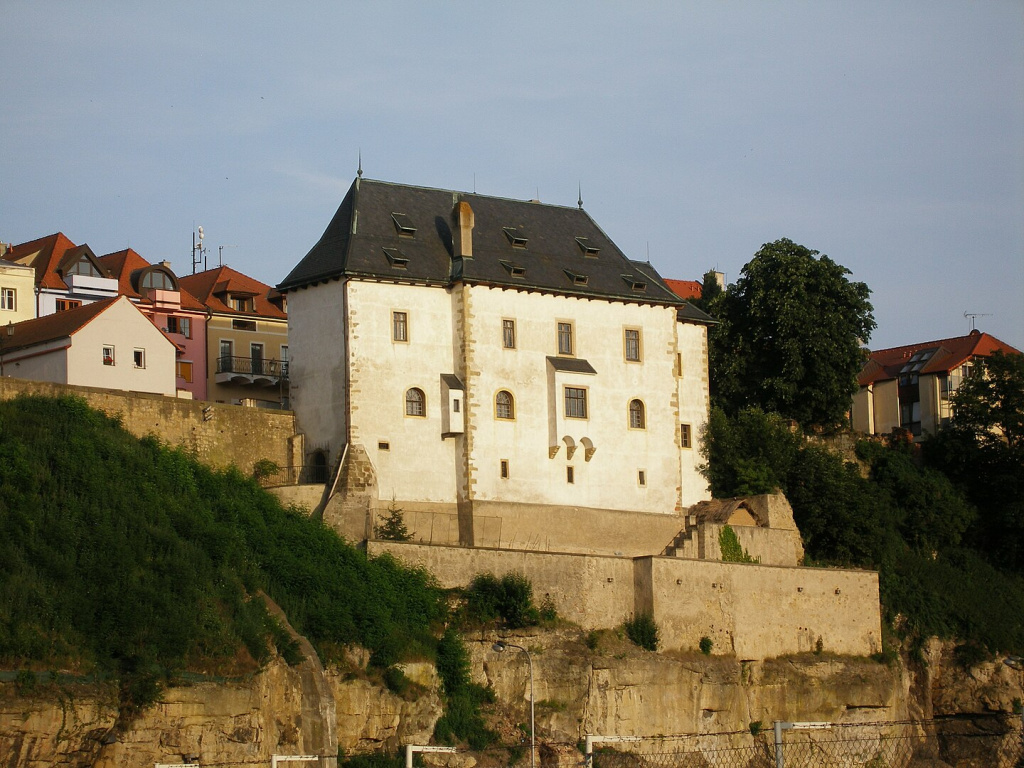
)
(685, 289)
(124, 264)
(28, 333)
(213, 287)
(947, 354)
(50, 249)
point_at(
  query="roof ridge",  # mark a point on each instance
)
(572, 207)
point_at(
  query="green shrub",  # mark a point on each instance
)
(396, 681)
(508, 599)
(642, 630)
(265, 468)
(392, 525)
(705, 645)
(463, 699)
(732, 550)
(592, 639)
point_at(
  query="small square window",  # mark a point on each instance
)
(400, 326)
(575, 403)
(139, 358)
(508, 334)
(383, 445)
(570, 475)
(184, 370)
(456, 405)
(685, 440)
(504, 469)
(108, 355)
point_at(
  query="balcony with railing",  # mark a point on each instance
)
(251, 370)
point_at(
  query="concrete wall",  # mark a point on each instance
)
(886, 403)
(754, 611)
(862, 412)
(220, 435)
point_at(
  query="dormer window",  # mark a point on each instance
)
(587, 248)
(634, 283)
(403, 224)
(513, 269)
(159, 280)
(396, 258)
(83, 267)
(515, 237)
(241, 303)
(577, 279)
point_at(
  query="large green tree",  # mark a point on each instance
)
(790, 336)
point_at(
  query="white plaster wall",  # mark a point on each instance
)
(51, 365)
(862, 410)
(318, 358)
(928, 386)
(127, 329)
(694, 407)
(886, 402)
(418, 465)
(609, 479)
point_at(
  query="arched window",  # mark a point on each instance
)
(158, 279)
(504, 405)
(636, 415)
(415, 403)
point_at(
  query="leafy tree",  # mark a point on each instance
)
(790, 336)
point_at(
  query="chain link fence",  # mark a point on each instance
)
(976, 741)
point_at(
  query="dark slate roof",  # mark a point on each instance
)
(552, 260)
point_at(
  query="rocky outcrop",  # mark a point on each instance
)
(599, 684)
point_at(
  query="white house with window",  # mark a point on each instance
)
(495, 358)
(17, 294)
(107, 343)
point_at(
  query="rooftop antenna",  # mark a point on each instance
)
(974, 315)
(359, 170)
(220, 253)
(474, 183)
(198, 251)
(579, 202)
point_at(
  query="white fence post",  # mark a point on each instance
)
(410, 748)
(781, 726)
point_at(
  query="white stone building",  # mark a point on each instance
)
(494, 360)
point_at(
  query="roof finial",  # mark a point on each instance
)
(359, 171)
(579, 202)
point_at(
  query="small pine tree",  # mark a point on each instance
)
(392, 525)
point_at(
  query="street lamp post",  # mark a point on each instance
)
(500, 647)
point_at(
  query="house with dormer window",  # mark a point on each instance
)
(911, 387)
(494, 362)
(247, 338)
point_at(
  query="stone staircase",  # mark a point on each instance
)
(685, 543)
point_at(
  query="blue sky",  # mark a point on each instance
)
(889, 136)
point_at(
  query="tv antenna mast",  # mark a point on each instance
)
(198, 251)
(220, 253)
(974, 315)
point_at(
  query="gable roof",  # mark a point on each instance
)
(127, 266)
(939, 356)
(213, 287)
(60, 325)
(403, 233)
(46, 255)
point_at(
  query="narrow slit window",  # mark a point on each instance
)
(504, 469)
(570, 475)
(641, 478)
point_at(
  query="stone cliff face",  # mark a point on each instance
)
(613, 690)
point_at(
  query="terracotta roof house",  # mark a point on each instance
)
(107, 343)
(685, 289)
(66, 275)
(490, 361)
(911, 386)
(156, 291)
(247, 337)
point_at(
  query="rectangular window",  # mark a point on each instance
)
(63, 305)
(679, 363)
(632, 345)
(641, 478)
(184, 370)
(456, 405)
(684, 436)
(508, 334)
(108, 355)
(565, 339)
(182, 325)
(570, 475)
(383, 445)
(8, 299)
(139, 357)
(504, 469)
(575, 403)
(242, 304)
(399, 326)
(243, 325)
(256, 358)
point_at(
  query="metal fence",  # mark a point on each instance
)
(976, 741)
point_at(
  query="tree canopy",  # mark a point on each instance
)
(790, 336)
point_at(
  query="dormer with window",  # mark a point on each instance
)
(159, 285)
(82, 272)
